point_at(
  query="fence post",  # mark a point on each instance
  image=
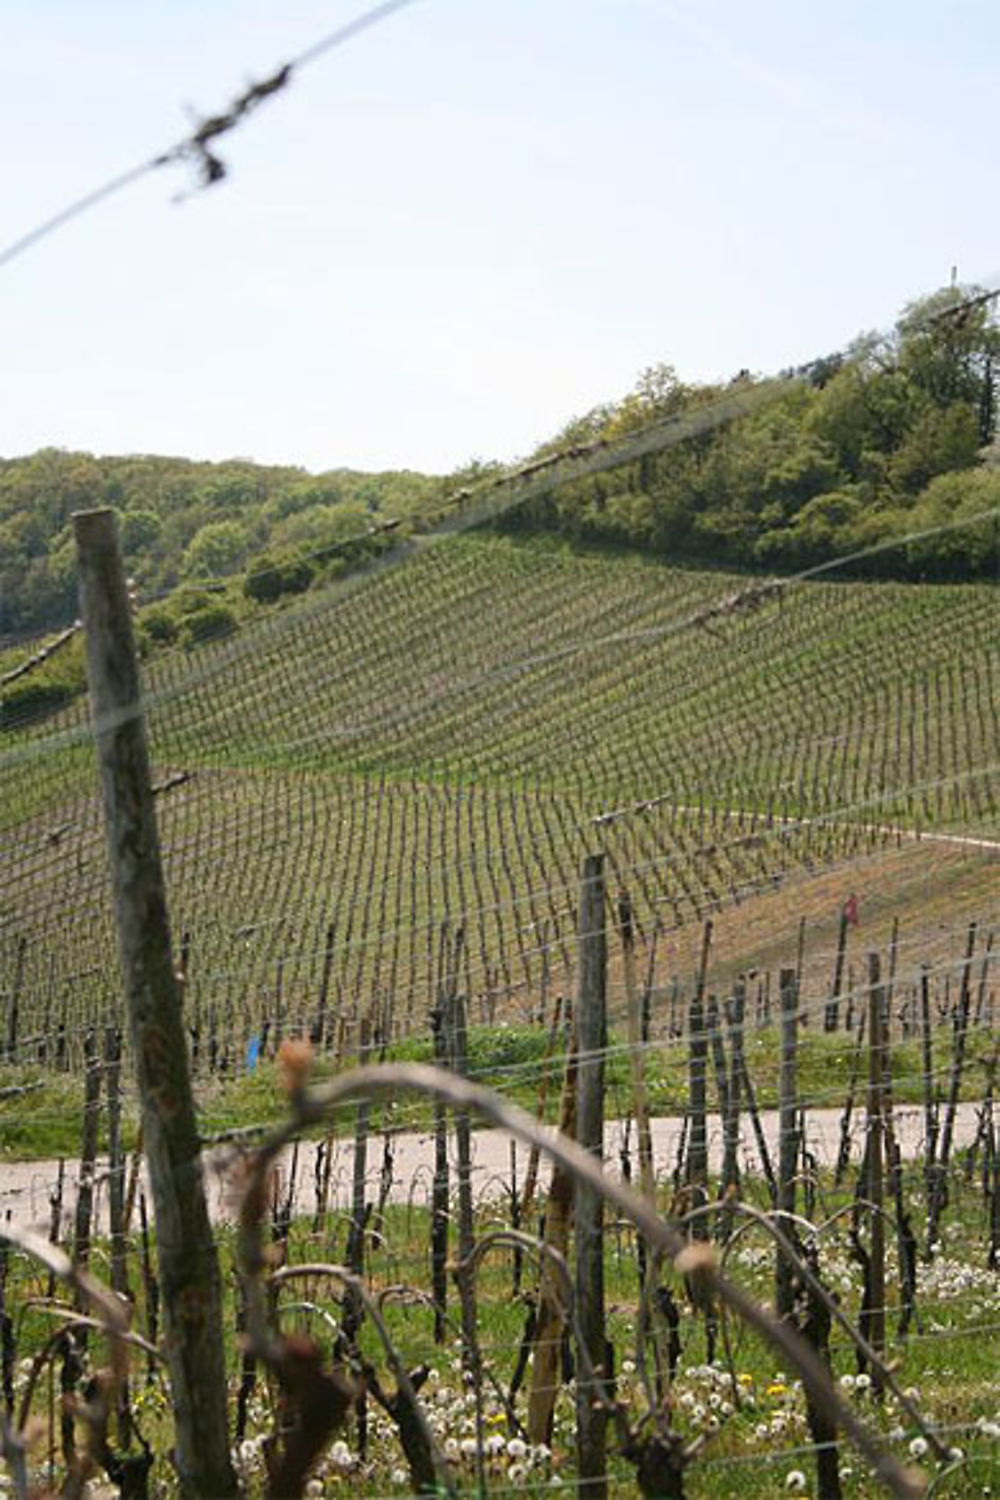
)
(189, 1267)
(831, 1013)
(874, 1180)
(696, 1176)
(13, 1009)
(88, 1149)
(788, 1135)
(939, 1197)
(592, 1034)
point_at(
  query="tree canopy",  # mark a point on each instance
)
(895, 439)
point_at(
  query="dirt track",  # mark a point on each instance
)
(25, 1186)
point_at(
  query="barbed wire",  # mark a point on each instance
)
(199, 145)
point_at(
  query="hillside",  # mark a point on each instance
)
(895, 436)
(444, 739)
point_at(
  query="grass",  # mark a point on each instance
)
(47, 1122)
(753, 1444)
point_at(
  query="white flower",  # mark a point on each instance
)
(399, 1477)
(918, 1447)
(795, 1480)
(341, 1457)
(862, 1382)
(468, 1447)
(956, 1454)
(517, 1448)
(314, 1488)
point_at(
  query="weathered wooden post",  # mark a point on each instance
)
(592, 1033)
(88, 1149)
(875, 1155)
(788, 1134)
(930, 1102)
(189, 1268)
(831, 1013)
(14, 1005)
(552, 1311)
(939, 1197)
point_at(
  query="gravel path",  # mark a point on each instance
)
(25, 1187)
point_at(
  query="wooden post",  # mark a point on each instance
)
(116, 1197)
(189, 1267)
(589, 1206)
(788, 1135)
(697, 1152)
(939, 1198)
(930, 1102)
(875, 1154)
(636, 1047)
(440, 1194)
(318, 1035)
(696, 1176)
(13, 1010)
(471, 1360)
(88, 1149)
(552, 1311)
(116, 1159)
(731, 1125)
(355, 1256)
(831, 1014)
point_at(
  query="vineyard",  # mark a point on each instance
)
(773, 986)
(446, 740)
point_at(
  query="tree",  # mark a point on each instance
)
(216, 550)
(948, 345)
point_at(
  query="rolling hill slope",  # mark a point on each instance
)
(444, 740)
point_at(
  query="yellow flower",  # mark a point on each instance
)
(776, 1388)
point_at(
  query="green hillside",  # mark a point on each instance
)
(444, 740)
(895, 436)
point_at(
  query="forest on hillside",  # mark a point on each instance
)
(896, 436)
(182, 523)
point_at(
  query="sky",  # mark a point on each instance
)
(474, 221)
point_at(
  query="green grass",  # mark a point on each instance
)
(47, 1122)
(948, 1361)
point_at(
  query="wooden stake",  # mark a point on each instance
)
(188, 1264)
(788, 1135)
(875, 1185)
(591, 1418)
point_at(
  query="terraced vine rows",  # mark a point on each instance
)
(444, 741)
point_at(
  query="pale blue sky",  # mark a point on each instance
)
(475, 220)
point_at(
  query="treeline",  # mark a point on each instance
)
(185, 524)
(896, 438)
